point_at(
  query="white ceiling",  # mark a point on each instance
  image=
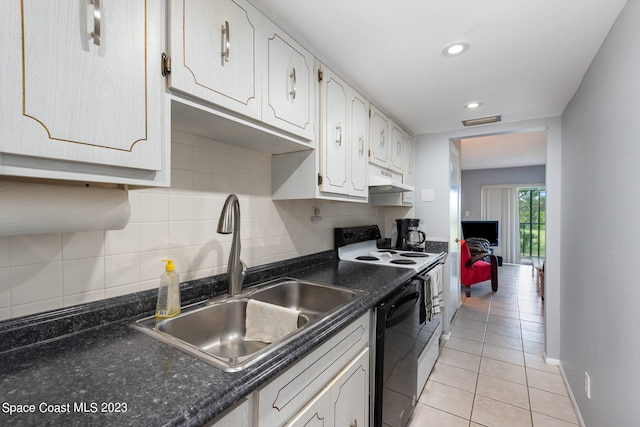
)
(515, 150)
(525, 61)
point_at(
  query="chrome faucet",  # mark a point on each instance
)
(230, 217)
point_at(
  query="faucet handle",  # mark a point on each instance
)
(244, 268)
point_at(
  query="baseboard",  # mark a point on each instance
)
(446, 337)
(568, 387)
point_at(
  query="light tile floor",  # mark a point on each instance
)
(491, 372)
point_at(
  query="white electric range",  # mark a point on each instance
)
(358, 244)
(407, 335)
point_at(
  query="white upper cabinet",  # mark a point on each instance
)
(333, 119)
(386, 142)
(396, 148)
(359, 135)
(82, 92)
(288, 100)
(215, 52)
(238, 79)
(379, 139)
(409, 169)
(344, 124)
(337, 169)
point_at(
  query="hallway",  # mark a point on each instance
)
(491, 372)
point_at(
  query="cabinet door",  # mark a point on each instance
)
(397, 148)
(408, 175)
(359, 135)
(350, 394)
(288, 94)
(334, 133)
(215, 52)
(343, 402)
(379, 138)
(81, 84)
(316, 413)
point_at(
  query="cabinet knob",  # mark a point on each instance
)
(354, 423)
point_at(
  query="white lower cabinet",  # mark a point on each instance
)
(338, 403)
(328, 387)
(238, 415)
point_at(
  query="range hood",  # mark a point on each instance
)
(379, 184)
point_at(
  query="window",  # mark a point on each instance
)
(532, 207)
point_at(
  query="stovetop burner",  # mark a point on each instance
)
(415, 254)
(402, 261)
(367, 258)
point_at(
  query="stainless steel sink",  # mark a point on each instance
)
(312, 299)
(214, 331)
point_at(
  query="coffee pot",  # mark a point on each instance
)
(409, 237)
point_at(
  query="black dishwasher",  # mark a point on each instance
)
(402, 335)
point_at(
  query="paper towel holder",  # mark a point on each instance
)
(34, 207)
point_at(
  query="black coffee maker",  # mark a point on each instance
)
(409, 237)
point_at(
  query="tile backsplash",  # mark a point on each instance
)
(51, 271)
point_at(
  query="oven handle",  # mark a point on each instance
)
(425, 274)
(396, 315)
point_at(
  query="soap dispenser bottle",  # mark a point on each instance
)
(168, 292)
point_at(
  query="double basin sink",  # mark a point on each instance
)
(214, 331)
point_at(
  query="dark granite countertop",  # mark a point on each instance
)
(72, 364)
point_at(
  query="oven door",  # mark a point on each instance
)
(399, 344)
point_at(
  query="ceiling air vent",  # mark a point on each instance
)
(482, 121)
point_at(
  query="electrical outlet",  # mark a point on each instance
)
(587, 384)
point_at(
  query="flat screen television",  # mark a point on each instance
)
(484, 229)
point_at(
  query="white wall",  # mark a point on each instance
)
(44, 272)
(600, 251)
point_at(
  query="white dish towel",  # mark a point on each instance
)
(436, 275)
(269, 322)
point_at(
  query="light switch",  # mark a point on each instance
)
(428, 195)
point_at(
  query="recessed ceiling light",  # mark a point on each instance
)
(455, 49)
(473, 105)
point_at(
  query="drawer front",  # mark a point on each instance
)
(428, 358)
(279, 400)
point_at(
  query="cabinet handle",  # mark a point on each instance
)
(398, 148)
(225, 42)
(339, 135)
(381, 137)
(292, 76)
(354, 423)
(96, 22)
(361, 150)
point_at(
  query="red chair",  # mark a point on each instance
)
(474, 269)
